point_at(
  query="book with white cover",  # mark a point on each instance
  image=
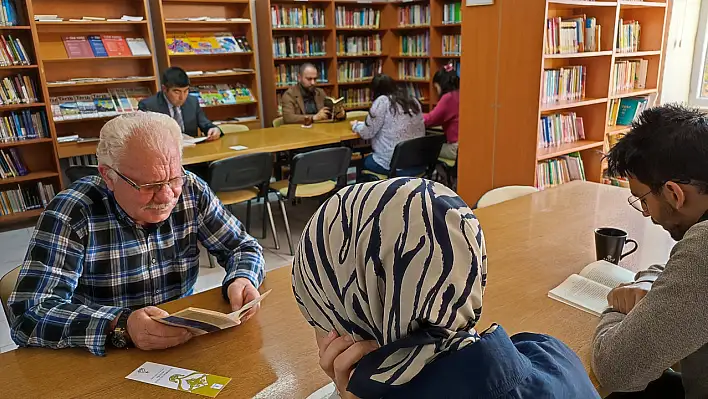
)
(138, 46)
(588, 290)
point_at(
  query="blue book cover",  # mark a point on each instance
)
(97, 46)
(627, 111)
(8, 7)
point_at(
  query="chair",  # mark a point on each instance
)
(7, 285)
(450, 168)
(233, 128)
(312, 174)
(414, 153)
(502, 194)
(242, 179)
(278, 122)
(77, 172)
(357, 115)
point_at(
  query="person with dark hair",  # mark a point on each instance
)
(394, 117)
(305, 101)
(174, 100)
(661, 318)
(447, 111)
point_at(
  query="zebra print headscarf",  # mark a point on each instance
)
(402, 262)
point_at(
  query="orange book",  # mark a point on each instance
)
(116, 46)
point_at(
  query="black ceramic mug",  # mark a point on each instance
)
(609, 243)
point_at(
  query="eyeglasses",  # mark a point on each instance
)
(638, 203)
(153, 188)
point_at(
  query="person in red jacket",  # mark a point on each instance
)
(447, 112)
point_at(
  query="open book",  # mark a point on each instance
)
(331, 102)
(588, 290)
(201, 321)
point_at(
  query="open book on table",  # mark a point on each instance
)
(201, 321)
(588, 290)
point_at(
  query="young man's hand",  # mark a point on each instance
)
(625, 297)
(213, 134)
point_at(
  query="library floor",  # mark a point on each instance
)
(13, 245)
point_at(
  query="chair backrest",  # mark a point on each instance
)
(357, 115)
(278, 122)
(418, 152)
(240, 172)
(233, 128)
(502, 194)
(75, 173)
(319, 166)
(7, 285)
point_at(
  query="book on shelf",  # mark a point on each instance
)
(25, 198)
(97, 47)
(23, 125)
(287, 74)
(98, 105)
(414, 15)
(8, 16)
(12, 52)
(299, 46)
(563, 84)
(414, 90)
(624, 111)
(630, 75)
(221, 94)
(576, 34)
(414, 69)
(628, 36)
(77, 47)
(452, 13)
(353, 71)
(414, 45)
(556, 171)
(11, 164)
(357, 97)
(359, 45)
(365, 18)
(560, 129)
(296, 17)
(18, 89)
(116, 46)
(206, 43)
(138, 46)
(48, 18)
(588, 289)
(451, 45)
(219, 72)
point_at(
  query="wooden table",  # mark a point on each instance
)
(342, 130)
(533, 244)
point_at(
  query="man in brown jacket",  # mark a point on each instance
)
(305, 99)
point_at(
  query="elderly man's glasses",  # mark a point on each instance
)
(638, 203)
(153, 188)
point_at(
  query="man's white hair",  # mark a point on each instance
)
(155, 131)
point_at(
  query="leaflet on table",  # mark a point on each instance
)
(201, 321)
(179, 379)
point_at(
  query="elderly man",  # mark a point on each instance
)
(109, 248)
(305, 100)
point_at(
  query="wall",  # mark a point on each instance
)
(679, 51)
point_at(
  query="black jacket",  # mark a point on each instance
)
(192, 113)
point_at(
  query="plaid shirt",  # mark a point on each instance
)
(88, 261)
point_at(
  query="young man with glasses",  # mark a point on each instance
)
(109, 248)
(662, 318)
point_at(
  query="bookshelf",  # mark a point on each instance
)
(234, 17)
(390, 40)
(506, 81)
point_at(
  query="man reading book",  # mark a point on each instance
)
(110, 247)
(661, 319)
(305, 101)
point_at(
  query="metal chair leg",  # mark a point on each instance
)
(248, 217)
(265, 215)
(272, 225)
(211, 261)
(287, 226)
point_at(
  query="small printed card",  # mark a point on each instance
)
(238, 147)
(180, 379)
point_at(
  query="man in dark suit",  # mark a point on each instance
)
(174, 100)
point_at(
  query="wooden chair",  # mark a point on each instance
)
(233, 128)
(278, 122)
(360, 115)
(502, 194)
(420, 152)
(7, 285)
(312, 174)
(77, 172)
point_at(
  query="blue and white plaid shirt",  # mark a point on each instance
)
(87, 261)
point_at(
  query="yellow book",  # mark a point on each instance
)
(193, 40)
(209, 45)
(180, 44)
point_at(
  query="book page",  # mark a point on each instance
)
(607, 274)
(582, 293)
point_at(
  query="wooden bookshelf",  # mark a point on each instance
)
(502, 87)
(162, 10)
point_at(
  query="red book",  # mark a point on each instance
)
(77, 47)
(116, 46)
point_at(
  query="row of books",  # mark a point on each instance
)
(557, 171)
(221, 94)
(18, 89)
(560, 129)
(359, 45)
(628, 36)
(104, 46)
(418, 44)
(452, 45)
(11, 164)
(299, 46)
(98, 80)
(414, 90)
(23, 125)
(414, 15)
(12, 52)
(356, 97)
(352, 71)
(572, 35)
(296, 17)
(26, 199)
(287, 74)
(357, 18)
(206, 43)
(624, 111)
(414, 69)
(630, 75)
(8, 16)
(57, 18)
(98, 105)
(452, 13)
(564, 84)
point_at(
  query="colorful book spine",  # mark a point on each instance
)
(414, 69)
(296, 17)
(629, 75)
(354, 71)
(628, 36)
(560, 129)
(414, 45)
(452, 13)
(23, 125)
(299, 46)
(414, 15)
(357, 97)
(561, 170)
(361, 18)
(8, 16)
(452, 45)
(359, 45)
(564, 84)
(287, 74)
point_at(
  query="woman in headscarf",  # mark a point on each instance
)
(391, 276)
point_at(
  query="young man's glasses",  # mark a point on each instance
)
(638, 203)
(153, 188)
